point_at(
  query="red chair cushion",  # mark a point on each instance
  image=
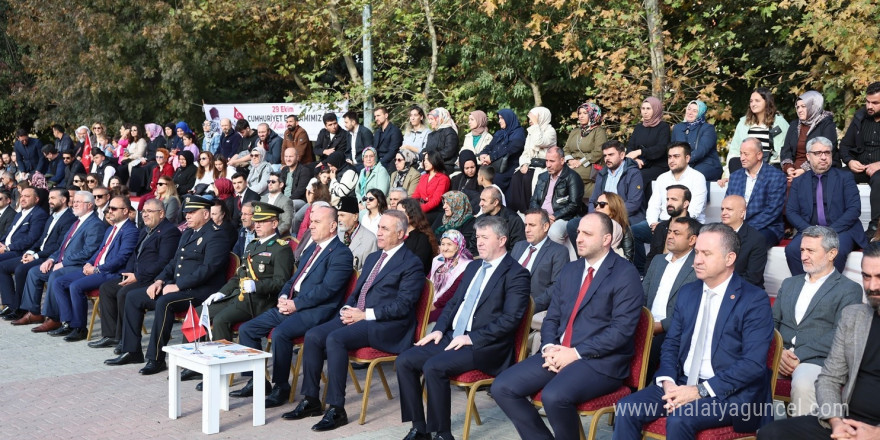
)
(783, 386)
(93, 293)
(369, 353)
(471, 376)
(599, 402)
(723, 433)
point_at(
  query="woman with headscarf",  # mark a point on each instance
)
(211, 140)
(443, 137)
(761, 122)
(373, 176)
(466, 180)
(343, 177)
(503, 152)
(648, 142)
(185, 175)
(479, 136)
(540, 136)
(447, 269)
(583, 149)
(39, 184)
(258, 176)
(172, 142)
(223, 190)
(701, 136)
(812, 121)
(405, 176)
(180, 144)
(457, 214)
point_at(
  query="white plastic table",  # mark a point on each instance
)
(217, 361)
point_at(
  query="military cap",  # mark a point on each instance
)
(194, 203)
(265, 211)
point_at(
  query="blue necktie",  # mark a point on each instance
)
(470, 301)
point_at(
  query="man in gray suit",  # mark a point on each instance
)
(847, 387)
(543, 258)
(806, 310)
(666, 274)
(361, 241)
(275, 196)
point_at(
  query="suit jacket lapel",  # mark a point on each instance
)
(825, 289)
(499, 273)
(728, 301)
(598, 277)
(686, 268)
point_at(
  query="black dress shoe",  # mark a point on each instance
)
(104, 342)
(443, 436)
(308, 407)
(14, 315)
(153, 367)
(413, 434)
(64, 330)
(248, 390)
(78, 334)
(279, 395)
(126, 358)
(199, 386)
(333, 418)
(188, 374)
(117, 349)
(5, 310)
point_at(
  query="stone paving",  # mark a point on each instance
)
(55, 389)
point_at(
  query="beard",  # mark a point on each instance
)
(873, 299)
(674, 212)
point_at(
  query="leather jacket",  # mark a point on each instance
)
(568, 194)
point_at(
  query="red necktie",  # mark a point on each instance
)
(305, 269)
(566, 339)
(529, 257)
(67, 240)
(104, 248)
(238, 201)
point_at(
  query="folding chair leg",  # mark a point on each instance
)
(354, 379)
(366, 397)
(470, 411)
(324, 396)
(231, 379)
(594, 422)
(385, 383)
(92, 320)
(144, 329)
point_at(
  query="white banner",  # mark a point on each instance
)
(310, 115)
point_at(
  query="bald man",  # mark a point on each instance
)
(763, 188)
(752, 258)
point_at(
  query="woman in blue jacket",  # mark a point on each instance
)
(702, 138)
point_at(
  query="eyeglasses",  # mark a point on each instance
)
(600, 204)
(77, 181)
(255, 155)
(821, 153)
(91, 181)
(115, 208)
(97, 127)
(161, 184)
(368, 199)
(159, 156)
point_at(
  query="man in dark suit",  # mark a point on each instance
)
(380, 314)
(490, 204)
(766, 198)
(25, 226)
(588, 333)
(806, 312)
(80, 243)
(713, 367)
(243, 194)
(665, 276)
(387, 138)
(361, 137)
(543, 258)
(71, 288)
(50, 240)
(752, 256)
(195, 272)
(332, 138)
(7, 213)
(308, 298)
(156, 244)
(839, 207)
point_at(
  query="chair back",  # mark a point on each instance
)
(638, 366)
(349, 288)
(232, 266)
(774, 353)
(423, 310)
(521, 338)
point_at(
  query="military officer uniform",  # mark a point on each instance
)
(198, 268)
(268, 263)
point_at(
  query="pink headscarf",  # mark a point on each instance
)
(153, 130)
(481, 119)
(657, 115)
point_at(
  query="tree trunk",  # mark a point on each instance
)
(655, 45)
(536, 90)
(340, 36)
(433, 33)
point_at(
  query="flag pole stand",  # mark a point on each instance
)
(196, 342)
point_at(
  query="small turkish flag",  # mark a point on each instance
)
(237, 114)
(191, 328)
(87, 154)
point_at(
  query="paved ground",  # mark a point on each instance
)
(54, 389)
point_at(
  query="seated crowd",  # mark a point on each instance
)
(491, 225)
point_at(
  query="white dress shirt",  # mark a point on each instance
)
(24, 214)
(115, 234)
(306, 270)
(489, 271)
(805, 297)
(664, 289)
(534, 254)
(691, 178)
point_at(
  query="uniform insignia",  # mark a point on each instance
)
(638, 186)
(258, 209)
(265, 254)
(199, 241)
(261, 267)
(281, 242)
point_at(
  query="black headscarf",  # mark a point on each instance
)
(185, 177)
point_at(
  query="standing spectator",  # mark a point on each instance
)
(443, 137)
(701, 136)
(479, 136)
(28, 152)
(860, 149)
(62, 140)
(761, 122)
(812, 121)
(416, 134)
(504, 150)
(360, 137)
(296, 137)
(540, 136)
(405, 175)
(648, 142)
(583, 149)
(387, 138)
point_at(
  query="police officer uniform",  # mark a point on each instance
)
(268, 263)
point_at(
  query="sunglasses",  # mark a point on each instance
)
(77, 181)
(97, 128)
(91, 181)
(273, 181)
(368, 199)
(255, 155)
(115, 208)
(203, 158)
(100, 196)
(600, 204)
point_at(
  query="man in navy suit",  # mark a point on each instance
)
(196, 271)
(839, 208)
(156, 244)
(763, 188)
(80, 242)
(50, 240)
(361, 137)
(309, 298)
(378, 314)
(26, 226)
(7, 212)
(71, 288)
(713, 365)
(588, 333)
(543, 258)
(474, 332)
(387, 138)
